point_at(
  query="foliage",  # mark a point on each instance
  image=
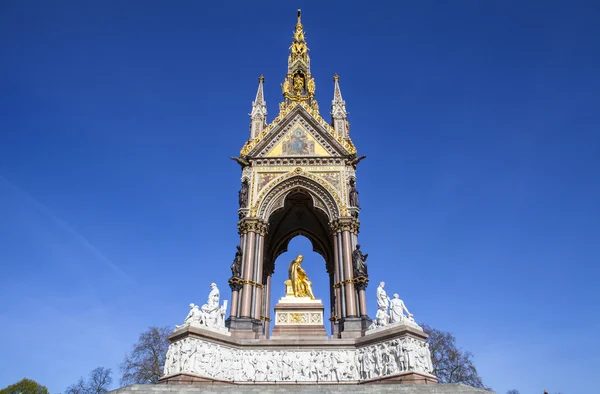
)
(513, 391)
(25, 386)
(451, 364)
(98, 383)
(146, 361)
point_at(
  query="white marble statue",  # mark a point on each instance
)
(382, 319)
(194, 317)
(210, 315)
(382, 298)
(397, 309)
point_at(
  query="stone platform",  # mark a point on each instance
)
(397, 355)
(298, 318)
(440, 388)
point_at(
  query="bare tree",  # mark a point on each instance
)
(146, 361)
(98, 382)
(451, 364)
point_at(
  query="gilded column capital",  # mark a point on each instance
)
(253, 225)
(235, 284)
(345, 224)
(361, 282)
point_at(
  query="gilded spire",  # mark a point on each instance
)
(299, 84)
(299, 58)
(258, 115)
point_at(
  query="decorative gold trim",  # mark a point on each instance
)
(252, 283)
(286, 109)
(344, 282)
(298, 172)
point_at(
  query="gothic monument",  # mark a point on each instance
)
(298, 177)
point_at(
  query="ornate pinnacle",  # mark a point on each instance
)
(261, 79)
(336, 78)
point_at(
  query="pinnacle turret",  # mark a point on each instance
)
(339, 115)
(258, 115)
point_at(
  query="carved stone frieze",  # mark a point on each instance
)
(254, 225)
(298, 161)
(200, 357)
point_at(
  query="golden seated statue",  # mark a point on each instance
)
(298, 284)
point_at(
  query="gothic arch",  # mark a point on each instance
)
(323, 196)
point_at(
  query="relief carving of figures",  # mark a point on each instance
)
(353, 194)
(359, 262)
(216, 361)
(243, 194)
(236, 267)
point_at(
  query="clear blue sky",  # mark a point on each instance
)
(480, 193)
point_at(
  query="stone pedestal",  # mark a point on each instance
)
(297, 318)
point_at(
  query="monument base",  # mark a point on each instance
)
(284, 388)
(394, 355)
(298, 318)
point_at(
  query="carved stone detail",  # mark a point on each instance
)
(251, 146)
(318, 189)
(253, 225)
(216, 361)
(297, 161)
(345, 224)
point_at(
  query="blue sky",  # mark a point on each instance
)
(480, 193)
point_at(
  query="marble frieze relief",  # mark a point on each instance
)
(216, 361)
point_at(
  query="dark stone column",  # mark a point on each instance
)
(245, 324)
(350, 323)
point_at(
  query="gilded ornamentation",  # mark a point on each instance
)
(310, 87)
(331, 177)
(329, 196)
(301, 285)
(298, 84)
(263, 178)
(316, 318)
(250, 145)
(298, 318)
(285, 87)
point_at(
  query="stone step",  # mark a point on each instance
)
(440, 388)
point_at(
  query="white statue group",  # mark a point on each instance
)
(200, 357)
(210, 315)
(396, 313)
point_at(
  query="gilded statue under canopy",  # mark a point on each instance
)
(301, 285)
(298, 83)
